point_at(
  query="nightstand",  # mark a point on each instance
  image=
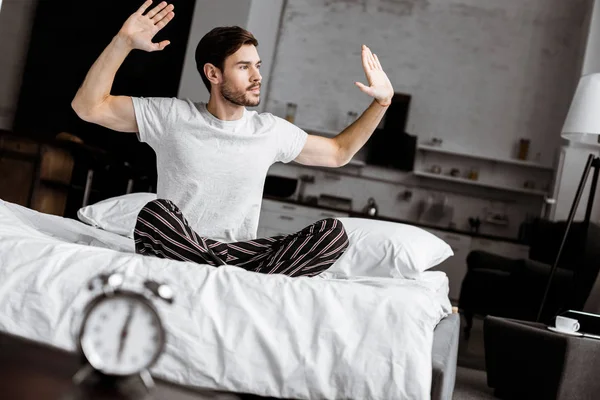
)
(35, 371)
(525, 360)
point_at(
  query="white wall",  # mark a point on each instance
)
(261, 17)
(591, 59)
(264, 22)
(208, 14)
(482, 73)
(571, 166)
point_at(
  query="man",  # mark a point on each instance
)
(212, 159)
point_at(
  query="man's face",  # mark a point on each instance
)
(241, 77)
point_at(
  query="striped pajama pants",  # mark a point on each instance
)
(162, 231)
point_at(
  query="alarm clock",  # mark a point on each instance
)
(121, 333)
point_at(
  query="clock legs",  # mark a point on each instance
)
(147, 379)
(87, 370)
(82, 374)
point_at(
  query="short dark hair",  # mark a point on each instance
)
(218, 44)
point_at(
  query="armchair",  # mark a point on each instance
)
(504, 287)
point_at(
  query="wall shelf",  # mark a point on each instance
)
(437, 149)
(429, 175)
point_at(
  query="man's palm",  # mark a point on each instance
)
(140, 29)
(380, 86)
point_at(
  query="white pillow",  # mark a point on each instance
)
(117, 214)
(388, 249)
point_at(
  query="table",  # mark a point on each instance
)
(34, 371)
(525, 360)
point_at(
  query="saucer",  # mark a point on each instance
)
(572, 333)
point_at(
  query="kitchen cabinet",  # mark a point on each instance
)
(280, 218)
(455, 267)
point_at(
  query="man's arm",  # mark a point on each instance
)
(338, 151)
(93, 101)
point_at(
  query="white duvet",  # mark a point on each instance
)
(229, 329)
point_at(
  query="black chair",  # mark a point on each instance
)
(504, 287)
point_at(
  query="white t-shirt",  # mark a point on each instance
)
(214, 170)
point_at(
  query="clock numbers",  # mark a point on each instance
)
(124, 335)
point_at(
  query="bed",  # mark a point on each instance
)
(230, 329)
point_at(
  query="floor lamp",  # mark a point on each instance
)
(582, 125)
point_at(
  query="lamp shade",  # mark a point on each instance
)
(583, 120)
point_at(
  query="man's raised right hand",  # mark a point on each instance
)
(139, 29)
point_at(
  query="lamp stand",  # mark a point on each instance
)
(592, 162)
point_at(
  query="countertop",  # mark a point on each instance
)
(357, 214)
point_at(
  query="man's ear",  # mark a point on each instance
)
(213, 73)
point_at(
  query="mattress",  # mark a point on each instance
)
(230, 329)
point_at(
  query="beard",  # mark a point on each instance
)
(239, 97)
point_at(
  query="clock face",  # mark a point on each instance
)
(122, 334)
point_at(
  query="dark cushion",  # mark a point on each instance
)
(479, 259)
(546, 238)
(496, 285)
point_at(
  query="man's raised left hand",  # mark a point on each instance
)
(380, 86)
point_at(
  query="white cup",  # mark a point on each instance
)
(567, 324)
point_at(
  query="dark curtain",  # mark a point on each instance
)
(67, 37)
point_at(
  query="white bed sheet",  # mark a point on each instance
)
(230, 329)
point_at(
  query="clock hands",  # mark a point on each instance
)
(125, 330)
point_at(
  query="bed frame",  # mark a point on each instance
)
(444, 357)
